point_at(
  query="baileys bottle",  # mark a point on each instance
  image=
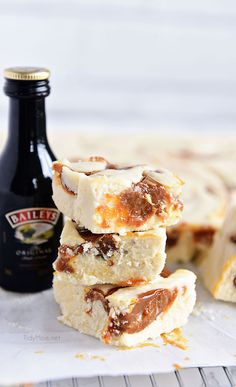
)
(30, 224)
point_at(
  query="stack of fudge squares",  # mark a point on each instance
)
(110, 279)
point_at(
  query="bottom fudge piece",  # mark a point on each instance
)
(126, 316)
(129, 259)
(218, 268)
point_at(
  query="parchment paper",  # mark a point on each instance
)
(34, 346)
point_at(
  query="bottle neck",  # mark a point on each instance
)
(27, 123)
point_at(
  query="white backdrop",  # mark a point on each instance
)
(128, 63)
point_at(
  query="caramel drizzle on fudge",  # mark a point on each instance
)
(65, 254)
(145, 310)
(96, 294)
(57, 167)
(135, 205)
(105, 244)
(203, 235)
(148, 306)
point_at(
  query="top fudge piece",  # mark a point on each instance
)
(108, 198)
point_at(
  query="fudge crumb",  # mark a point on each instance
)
(175, 338)
(138, 346)
(80, 356)
(83, 356)
(198, 309)
(210, 315)
(97, 357)
(177, 366)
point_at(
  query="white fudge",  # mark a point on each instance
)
(126, 316)
(129, 259)
(106, 198)
(205, 202)
(217, 155)
(218, 269)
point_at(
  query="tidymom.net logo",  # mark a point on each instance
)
(39, 338)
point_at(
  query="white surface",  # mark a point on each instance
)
(30, 334)
(168, 62)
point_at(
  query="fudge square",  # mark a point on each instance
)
(129, 259)
(108, 198)
(126, 316)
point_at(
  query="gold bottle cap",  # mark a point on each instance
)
(26, 73)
